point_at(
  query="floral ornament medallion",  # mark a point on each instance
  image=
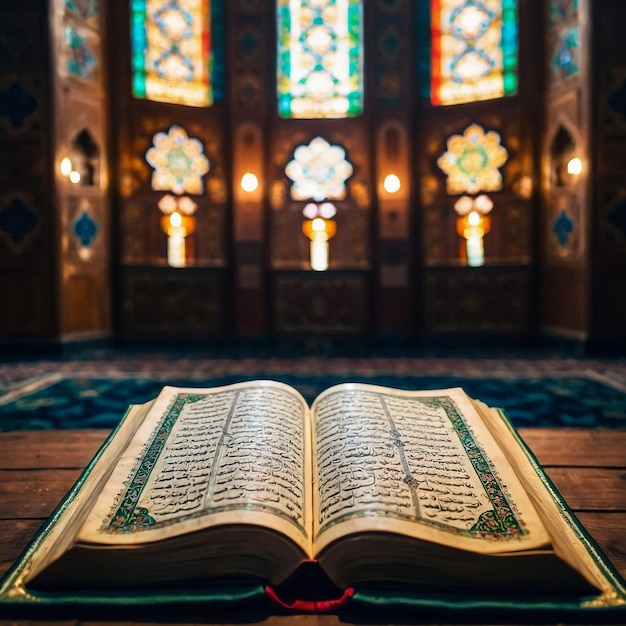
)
(318, 171)
(472, 161)
(178, 162)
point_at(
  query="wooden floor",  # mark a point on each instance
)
(588, 467)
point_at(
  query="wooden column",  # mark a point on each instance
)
(249, 62)
(80, 135)
(54, 233)
(390, 76)
(565, 254)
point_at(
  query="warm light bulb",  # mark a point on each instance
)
(74, 176)
(473, 219)
(249, 182)
(574, 166)
(66, 166)
(175, 219)
(318, 225)
(391, 183)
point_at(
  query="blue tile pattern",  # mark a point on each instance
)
(18, 220)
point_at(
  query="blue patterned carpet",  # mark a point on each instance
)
(564, 397)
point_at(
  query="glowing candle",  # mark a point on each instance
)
(176, 241)
(475, 251)
(474, 244)
(319, 245)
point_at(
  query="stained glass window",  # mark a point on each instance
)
(171, 41)
(318, 171)
(85, 9)
(564, 53)
(178, 161)
(472, 161)
(320, 58)
(80, 53)
(474, 50)
(560, 10)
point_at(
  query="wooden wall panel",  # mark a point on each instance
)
(566, 206)
(25, 312)
(190, 304)
(564, 305)
(141, 235)
(250, 61)
(608, 273)
(477, 300)
(90, 302)
(80, 133)
(391, 75)
(155, 299)
(331, 303)
(350, 247)
(27, 231)
(400, 252)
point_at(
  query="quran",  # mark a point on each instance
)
(422, 492)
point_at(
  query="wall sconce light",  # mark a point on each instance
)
(249, 182)
(391, 184)
(575, 166)
(473, 224)
(319, 228)
(66, 166)
(177, 222)
(68, 170)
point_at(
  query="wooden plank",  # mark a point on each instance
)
(75, 448)
(33, 494)
(577, 447)
(591, 489)
(609, 531)
(15, 535)
(49, 448)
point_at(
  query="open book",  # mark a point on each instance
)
(388, 489)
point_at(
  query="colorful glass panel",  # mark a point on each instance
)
(85, 9)
(171, 43)
(564, 57)
(560, 10)
(318, 171)
(319, 58)
(80, 55)
(472, 161)
(474, 50)
(178, 161)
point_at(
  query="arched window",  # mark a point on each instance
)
(319, 58)
(474, 50)
(172, 52)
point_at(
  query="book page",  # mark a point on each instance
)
(418, 463)
(569, 543)
(229, 455)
